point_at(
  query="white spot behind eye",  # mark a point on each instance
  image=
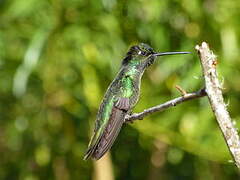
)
(139, 52)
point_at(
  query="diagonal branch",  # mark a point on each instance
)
(166, 105)
(214, 93)
(213, 90)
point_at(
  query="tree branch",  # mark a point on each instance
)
(166, 105)
(214, 93)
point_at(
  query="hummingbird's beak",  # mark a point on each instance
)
(170, 53)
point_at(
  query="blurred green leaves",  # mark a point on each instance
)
(29, 62)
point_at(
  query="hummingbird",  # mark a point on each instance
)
(120, 98)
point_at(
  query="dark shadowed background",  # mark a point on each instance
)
(57, 58)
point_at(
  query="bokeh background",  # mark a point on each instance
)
(57, 57)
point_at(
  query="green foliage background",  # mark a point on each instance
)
(57, 58)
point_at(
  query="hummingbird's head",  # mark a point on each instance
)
(143, 54)
(144, 50)
(138, 53)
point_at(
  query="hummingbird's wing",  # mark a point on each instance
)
(111, 117)
(111, 130)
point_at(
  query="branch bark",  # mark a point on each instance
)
(214, 92)
(166, 105)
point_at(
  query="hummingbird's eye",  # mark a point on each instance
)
(143, 53)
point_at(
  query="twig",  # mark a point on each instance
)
(214, 93)
(168, 104)
(181, 90)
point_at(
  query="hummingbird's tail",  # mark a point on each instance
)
(109, 135)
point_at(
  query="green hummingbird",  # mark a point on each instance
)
(120, 98)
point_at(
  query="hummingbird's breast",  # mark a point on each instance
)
(136, 90)
(115, 90)
(136, 75)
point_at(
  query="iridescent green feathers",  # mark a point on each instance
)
(108, 136)
(120, 98)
